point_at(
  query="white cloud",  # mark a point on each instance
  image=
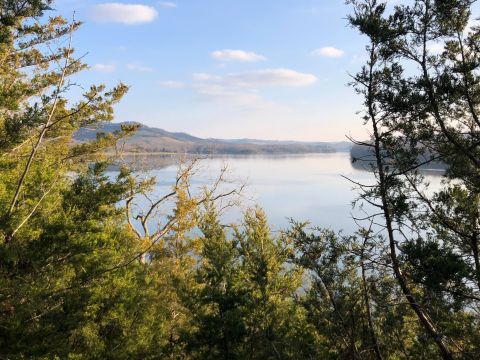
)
(206, 77)
(240, 98)
(240, 89)
(105, 68)
(168, 4)
(237, 55)
(273, 77)
(139, 67)
(328, 51)
(171, 84)
(266, 77)
(231, 95)
(129, 14)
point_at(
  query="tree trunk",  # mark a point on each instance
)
(366, 298)
(421, 314)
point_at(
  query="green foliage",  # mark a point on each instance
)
(218, 303)
(95, 265)
(61, 231)
(246, 304)
(270, 285)
(422, 106)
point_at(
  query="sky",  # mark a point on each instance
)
(265, 69)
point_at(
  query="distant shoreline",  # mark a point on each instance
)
(153, 141)
(154, 153)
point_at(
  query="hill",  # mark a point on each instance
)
(153, 140)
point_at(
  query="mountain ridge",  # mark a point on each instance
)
(155, 140)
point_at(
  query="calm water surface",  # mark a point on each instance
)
(304, 187)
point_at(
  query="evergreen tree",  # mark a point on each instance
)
(59, 235)
(219, 303)
(272, 320)
(422, 107)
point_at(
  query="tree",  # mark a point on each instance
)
(53, 300)
(218, 303)
(422, 107)
(272, 320)
(335, 292)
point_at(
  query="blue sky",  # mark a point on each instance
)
(271, 69)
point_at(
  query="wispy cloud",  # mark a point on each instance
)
(328, 51)
(237, 55)
(129, 14)
(105, 68)
(261, 78)
(138, 67)
(240, 89)
(168, 4)
(172, 84)
(231, 95)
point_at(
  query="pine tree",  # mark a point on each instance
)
(61, 236)
(218, 304)
(422, 108)
(272, 320)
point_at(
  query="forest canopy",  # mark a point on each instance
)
(95, 266)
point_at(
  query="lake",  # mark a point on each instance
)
(303, 187)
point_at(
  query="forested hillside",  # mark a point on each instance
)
(152, 140)
(95, 266)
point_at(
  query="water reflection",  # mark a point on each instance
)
(302, 187)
